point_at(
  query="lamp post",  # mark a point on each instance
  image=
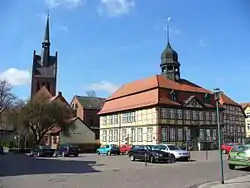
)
(217, 93)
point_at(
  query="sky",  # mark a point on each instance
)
(103, 44)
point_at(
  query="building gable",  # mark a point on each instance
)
(192, 102)
(80, 133)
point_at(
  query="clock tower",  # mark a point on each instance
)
(170, 66)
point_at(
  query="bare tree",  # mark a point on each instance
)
(39, 117)
(91, 93)
(7, 98)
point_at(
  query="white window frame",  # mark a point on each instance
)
(164, 134)
(104, 135)
(180, 134)
(172, 135)
(149, 134)
(139, 134)
(110, 135)
(115, 135)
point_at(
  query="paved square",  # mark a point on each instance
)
(92, 171)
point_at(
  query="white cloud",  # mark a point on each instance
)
(16, 77)
(103, 86)
(115, 7)
(202, 43)
(63, 28)
(65, 3)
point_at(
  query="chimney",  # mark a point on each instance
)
(60, 93)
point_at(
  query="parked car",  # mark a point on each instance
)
(66, 150)
(226, 147)
(239, 156)
(177, 152)
(108, 149)
(125, 148)
(42, 151)
(1, 150)
(141, 152)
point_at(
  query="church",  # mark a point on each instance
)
(44, 84)
(167, 108)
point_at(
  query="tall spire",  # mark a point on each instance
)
(45, 55)
(46, 37)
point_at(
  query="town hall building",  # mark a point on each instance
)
(167, 108)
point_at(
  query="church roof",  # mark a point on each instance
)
(152, 91)
(90, 102)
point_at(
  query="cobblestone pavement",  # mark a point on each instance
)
(92, 171)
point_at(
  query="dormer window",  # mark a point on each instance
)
(207, 98)
(173, 95)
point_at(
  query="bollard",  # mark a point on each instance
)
(206, 155)
(146, 159)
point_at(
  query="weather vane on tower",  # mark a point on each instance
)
(167, 28)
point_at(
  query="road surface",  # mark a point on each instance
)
(91, 171)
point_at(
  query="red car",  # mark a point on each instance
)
(226, 147)
(124, 149)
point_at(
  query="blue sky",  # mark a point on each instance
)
(103, 44)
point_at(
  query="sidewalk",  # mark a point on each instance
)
(239, 182)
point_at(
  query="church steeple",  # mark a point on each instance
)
(44, 69)
(46, 46)
(170, 67)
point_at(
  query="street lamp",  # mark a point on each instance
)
(217, 94)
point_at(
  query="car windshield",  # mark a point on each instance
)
(114, 146)
(173, 147)
(239, 148)
(149, 147)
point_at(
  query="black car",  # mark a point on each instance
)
(67, 150)
(141, 152)
(42, 151)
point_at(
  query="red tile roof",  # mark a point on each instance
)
(146, 92)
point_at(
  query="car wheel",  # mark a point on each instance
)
(231, 166)
(118, 153)
(172, 158)
(132, 158)
(98, 153)
(152, 159)
(76, 155)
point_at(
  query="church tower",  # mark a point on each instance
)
(170, 67)
(44, 69)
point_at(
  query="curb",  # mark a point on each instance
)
(211, 184)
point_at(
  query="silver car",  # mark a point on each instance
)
(179, 153)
